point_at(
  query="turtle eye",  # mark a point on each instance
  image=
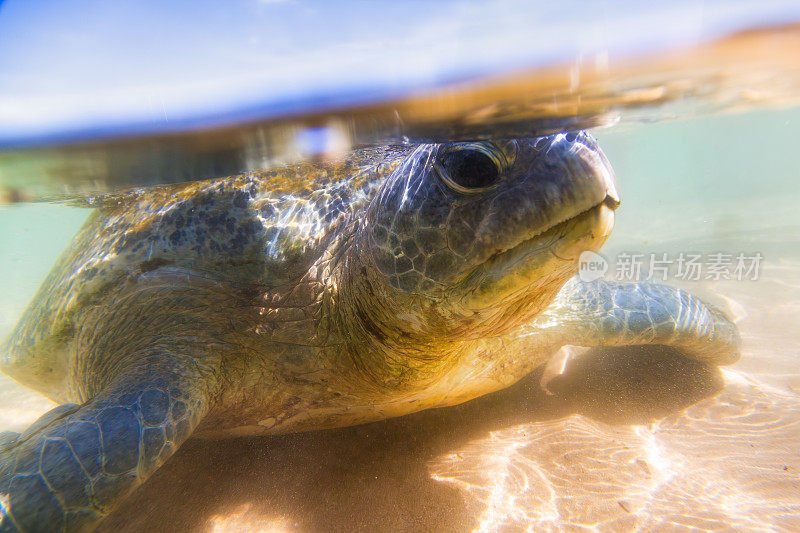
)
(471, 167)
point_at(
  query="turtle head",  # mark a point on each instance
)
(475, 238)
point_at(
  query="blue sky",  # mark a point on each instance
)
(117, 66)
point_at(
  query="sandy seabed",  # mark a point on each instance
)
(631, 439)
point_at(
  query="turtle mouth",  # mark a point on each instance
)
(547, 237)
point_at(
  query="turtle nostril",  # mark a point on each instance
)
(471, 169)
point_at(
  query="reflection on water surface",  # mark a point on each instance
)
(628, 438)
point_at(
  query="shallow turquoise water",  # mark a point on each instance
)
(715, 458)
(715, 179)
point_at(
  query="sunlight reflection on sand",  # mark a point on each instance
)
(725, 462)
(244, 520)
(728, 461)
(619, 447)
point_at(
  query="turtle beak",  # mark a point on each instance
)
(611, 202)
(610, 180)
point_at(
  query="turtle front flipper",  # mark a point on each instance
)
(75, 463)
(605, 313)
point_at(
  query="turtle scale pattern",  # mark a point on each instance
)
(316, 296)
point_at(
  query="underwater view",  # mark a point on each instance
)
(620, 440)
(564, 297)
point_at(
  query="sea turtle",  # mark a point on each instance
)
(316, 296)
